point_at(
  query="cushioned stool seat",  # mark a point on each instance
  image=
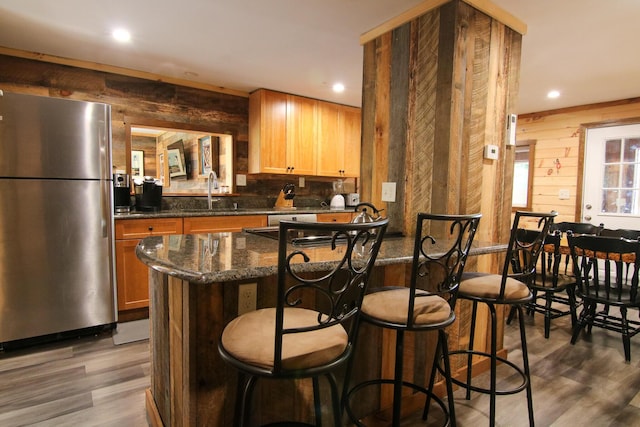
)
(251, 339)
(489, 286)
(392, 306)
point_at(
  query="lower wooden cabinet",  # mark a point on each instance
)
(335, 217)
(132, 275)
(218, 224)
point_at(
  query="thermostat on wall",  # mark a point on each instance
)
(491, 152)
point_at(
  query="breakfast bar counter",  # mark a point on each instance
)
(194, 292)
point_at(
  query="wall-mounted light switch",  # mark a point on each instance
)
(388, 191)
(241, 180)
(564, 194)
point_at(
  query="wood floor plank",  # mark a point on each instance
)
(92, 382)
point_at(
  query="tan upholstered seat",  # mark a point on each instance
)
(488, 286)
(393, 305)
(251, 338)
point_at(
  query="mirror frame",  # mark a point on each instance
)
(132, 122)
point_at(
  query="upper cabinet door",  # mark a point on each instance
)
(268, 132)
(330, 142)
(350, 126)
(301, 135)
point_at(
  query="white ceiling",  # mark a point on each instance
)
(586, 49)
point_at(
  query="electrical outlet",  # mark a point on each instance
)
(388, 191)
(301, 182)
(241, 180)
(564, 194)
(247, 297)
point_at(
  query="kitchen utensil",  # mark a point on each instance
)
(337, 202)
(289, 191)
(352, 199)
(364, 216)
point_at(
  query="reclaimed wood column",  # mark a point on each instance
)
(438, 85)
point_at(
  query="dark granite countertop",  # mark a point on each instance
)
(224, 212)
(222, 257)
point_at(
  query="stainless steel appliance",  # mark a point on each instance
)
(56, 217)
(303, 237)
(148, 193)
(121, 193)
(352, 199)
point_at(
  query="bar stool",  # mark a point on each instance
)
(310, 331)
(441, 246)
(509, 288)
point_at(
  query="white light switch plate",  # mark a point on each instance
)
(564, 194)
(241, 180)
(301, 182)
(388, 191)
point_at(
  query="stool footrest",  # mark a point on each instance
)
(463, 384)
(379, 381)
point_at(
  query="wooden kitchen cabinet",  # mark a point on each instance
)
(268, 132)
(338, 130)
(335, 217)
(301, 135)
(132, 275)
(350, 127)
(281, 133)
(290, 134)
(218, 224)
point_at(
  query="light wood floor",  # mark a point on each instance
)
(91, 382)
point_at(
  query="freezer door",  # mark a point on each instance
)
(44, 137)
(56, 257)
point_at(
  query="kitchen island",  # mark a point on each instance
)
(194, 287)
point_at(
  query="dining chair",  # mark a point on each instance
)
(511, 288)
(607, 271)
(621, 232)
(426, 303)
(553, 288)
(309, 332)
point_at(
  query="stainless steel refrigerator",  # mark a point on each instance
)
(56, 222)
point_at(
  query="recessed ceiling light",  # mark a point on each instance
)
(338, 87)
(553, 94)
(121, 35)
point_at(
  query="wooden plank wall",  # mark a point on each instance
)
(155, 101)
(558, 136)
(436, 90)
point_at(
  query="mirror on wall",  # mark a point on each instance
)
(181, 159)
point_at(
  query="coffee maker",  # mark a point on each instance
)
(148, 193)
(121, 193)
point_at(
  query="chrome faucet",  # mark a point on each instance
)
(211, 182)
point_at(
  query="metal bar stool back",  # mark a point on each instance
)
(441, 246)
(309, 332)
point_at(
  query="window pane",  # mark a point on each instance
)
(612, 151)
(520, 184)
(611, 176)
(609, 201)
(628, 175)
(631, 149)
